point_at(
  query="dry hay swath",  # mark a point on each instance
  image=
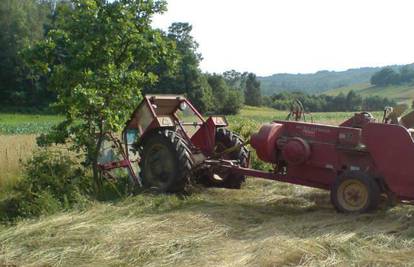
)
(264, 224)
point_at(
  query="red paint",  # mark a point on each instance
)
(264, 142)
(205, 137)
(392, 148)
(315, 154)
(296, 151)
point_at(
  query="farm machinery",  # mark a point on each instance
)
(360, 161)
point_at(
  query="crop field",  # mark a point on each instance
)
(263, 224)
(27, 124)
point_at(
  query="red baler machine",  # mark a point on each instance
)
(358, 161)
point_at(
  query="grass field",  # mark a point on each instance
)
(264, 224)
(401, 93)
(27, 124)
(264, 115)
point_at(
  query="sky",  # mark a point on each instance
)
(296, 36)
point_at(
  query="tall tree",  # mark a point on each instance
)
(235, 79)
(187, 77)
(220, 90)
(226, 99)
(353, 101)
(252, 92)
(21, 23)
(98, 59)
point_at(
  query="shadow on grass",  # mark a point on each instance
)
(308, 215)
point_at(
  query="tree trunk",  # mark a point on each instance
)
(97, 179)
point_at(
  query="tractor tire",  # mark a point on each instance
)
(226, 139)
(165, 163)
(355, 192)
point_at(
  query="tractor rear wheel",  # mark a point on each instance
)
(165, 162)
(355, 192)
(226, 139)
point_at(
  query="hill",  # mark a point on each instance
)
(401, 93)
(318, 82)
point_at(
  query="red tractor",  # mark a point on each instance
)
(359, 161)
(173, 141)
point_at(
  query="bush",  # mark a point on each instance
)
(52, 181)
(233, 102)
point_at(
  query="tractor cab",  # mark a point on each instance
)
(163, 111)
(173, 112)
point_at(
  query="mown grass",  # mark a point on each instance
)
(264, 224)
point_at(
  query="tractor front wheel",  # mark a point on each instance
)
(355, 192)
(165, 163)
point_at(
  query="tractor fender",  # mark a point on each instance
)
(264, 141)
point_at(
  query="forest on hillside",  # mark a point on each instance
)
(322, 81)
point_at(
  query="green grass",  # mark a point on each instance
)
(259, 115)
(27, 124)
(401, 93)
(355, 87)
(11, 124)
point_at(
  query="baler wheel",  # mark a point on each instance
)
(165, 164)
(226, 139)
(355, 192)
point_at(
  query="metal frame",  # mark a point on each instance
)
(124, 163)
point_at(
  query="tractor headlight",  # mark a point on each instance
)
(183, 105)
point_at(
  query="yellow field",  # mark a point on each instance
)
(14, 149)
